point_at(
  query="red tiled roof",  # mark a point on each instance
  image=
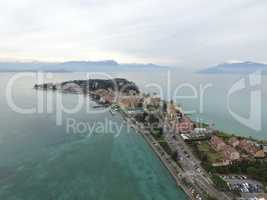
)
(248, 146)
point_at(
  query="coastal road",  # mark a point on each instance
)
(192, 166)
(191, 169)
(172, 166)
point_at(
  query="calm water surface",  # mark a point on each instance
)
(40, 160)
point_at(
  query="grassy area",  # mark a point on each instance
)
(226, 136)
(201, 124)
(206, 150)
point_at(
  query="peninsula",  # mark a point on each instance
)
(204, 162)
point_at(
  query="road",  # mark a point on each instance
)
(192, 166)
(168, 162)
(189, 166)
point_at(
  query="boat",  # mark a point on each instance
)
(112, 111)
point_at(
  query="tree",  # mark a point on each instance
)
(219, 182)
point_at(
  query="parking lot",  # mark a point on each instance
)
(242, 184)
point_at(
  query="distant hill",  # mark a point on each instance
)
(76, 66)
(235, 68)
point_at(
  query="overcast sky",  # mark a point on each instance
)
(187, 33)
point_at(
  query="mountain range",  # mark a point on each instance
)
(111, 65)
(76, 66)
(235, 68)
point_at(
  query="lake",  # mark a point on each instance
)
(42, 160)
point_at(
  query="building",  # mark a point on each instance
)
(185, 125)
(200, 130)
(101, 92)
(229, 153)
(195, 136)
(234, 142)
(104, 96)
(260, 154)
(174, 112)
(217, 143)
(107, 99)
(171, 111)
(130, 102)
(248, 146)
(151, 102)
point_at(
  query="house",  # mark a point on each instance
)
(185, 125)
(248, 146)
(171, 111)
(104, 96)
(260, 154)
(101, 92)
(230, 153)
(107, 99)
(174, 112)
(153, 101)
(217, 143)
(130, 102)
(200, 130)
(233, 141)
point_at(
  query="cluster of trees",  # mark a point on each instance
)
(255, 169)
(147, 117)
(219, 182)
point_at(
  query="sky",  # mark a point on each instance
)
(184, 33)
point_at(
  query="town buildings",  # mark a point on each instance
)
(152, 102)
(248, 146)
(237, 148)
(174, 112)
(229, 153)
(185, 125)
(217, 143)
(130, 102)
(234, 142)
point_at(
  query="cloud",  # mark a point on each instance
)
(189, 33)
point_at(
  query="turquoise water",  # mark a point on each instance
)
(40, 160)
